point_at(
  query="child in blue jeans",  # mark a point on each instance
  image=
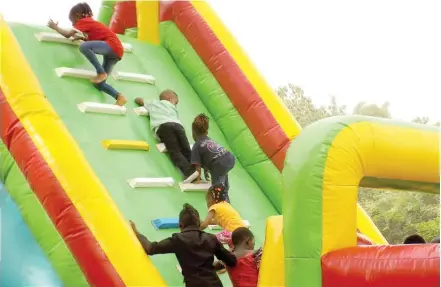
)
(98, 40)
(210, 155)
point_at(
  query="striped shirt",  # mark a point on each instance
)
(161, 112)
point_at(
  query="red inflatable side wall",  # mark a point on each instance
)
(123, 17)
(382, 266)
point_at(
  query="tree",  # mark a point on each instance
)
(302, 107)
(372, 110)
(396, 214)
(421, 120)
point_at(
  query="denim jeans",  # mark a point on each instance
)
(89, 49)
(219, 172)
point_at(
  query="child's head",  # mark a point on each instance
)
(79, 11)
(200, 126)
(414, 239)
(189, 216)
(169, 95)
(215, 194)
(242, 237)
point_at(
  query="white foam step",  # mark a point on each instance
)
(89, 107)
(88, 74)
(133, 77)
(141, 111)
(151, 182)
(204, 186)
(161, 147)
(76, 73)
(57, 38)
(217, 227)
(191, 177)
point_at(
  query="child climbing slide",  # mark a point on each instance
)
(100, 40)
(209, 154)
(222, 213)
(165, 123)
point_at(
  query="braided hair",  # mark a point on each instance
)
(200, 125)
(79, 11)
(217, 193)
(189, 216)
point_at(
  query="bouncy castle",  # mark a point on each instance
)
(74, 168)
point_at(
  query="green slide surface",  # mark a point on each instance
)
(114, 168)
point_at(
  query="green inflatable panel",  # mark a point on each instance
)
(238, 135)
(106, 12)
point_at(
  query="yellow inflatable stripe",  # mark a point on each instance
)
(125, 145)
(268, 95)
(147, 17)
(272, 265)
(66, 160)
(366, 149)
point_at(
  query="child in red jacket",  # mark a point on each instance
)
(98, 40)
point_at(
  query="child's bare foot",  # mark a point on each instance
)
(99, 78)
(121, 100)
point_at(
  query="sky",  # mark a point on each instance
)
(357, 50)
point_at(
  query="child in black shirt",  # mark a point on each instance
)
(210, 155)
(193, 248)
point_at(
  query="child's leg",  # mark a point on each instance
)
(227, 187)
(108, 64)
(167, 134)
(89, 49)
(183, 143)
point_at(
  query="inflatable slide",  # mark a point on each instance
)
(78, 168)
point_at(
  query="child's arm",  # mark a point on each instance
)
(66, 33)
(145, 243)
(196, 160)
(258, 257)
(151, 248)
(208, 220)
(198, 169)
(227, 257)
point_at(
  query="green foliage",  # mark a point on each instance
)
(303, 108)
(396, 213)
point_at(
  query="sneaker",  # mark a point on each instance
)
(99, 78)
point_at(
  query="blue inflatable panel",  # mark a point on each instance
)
(22, 262)
(165, 223)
